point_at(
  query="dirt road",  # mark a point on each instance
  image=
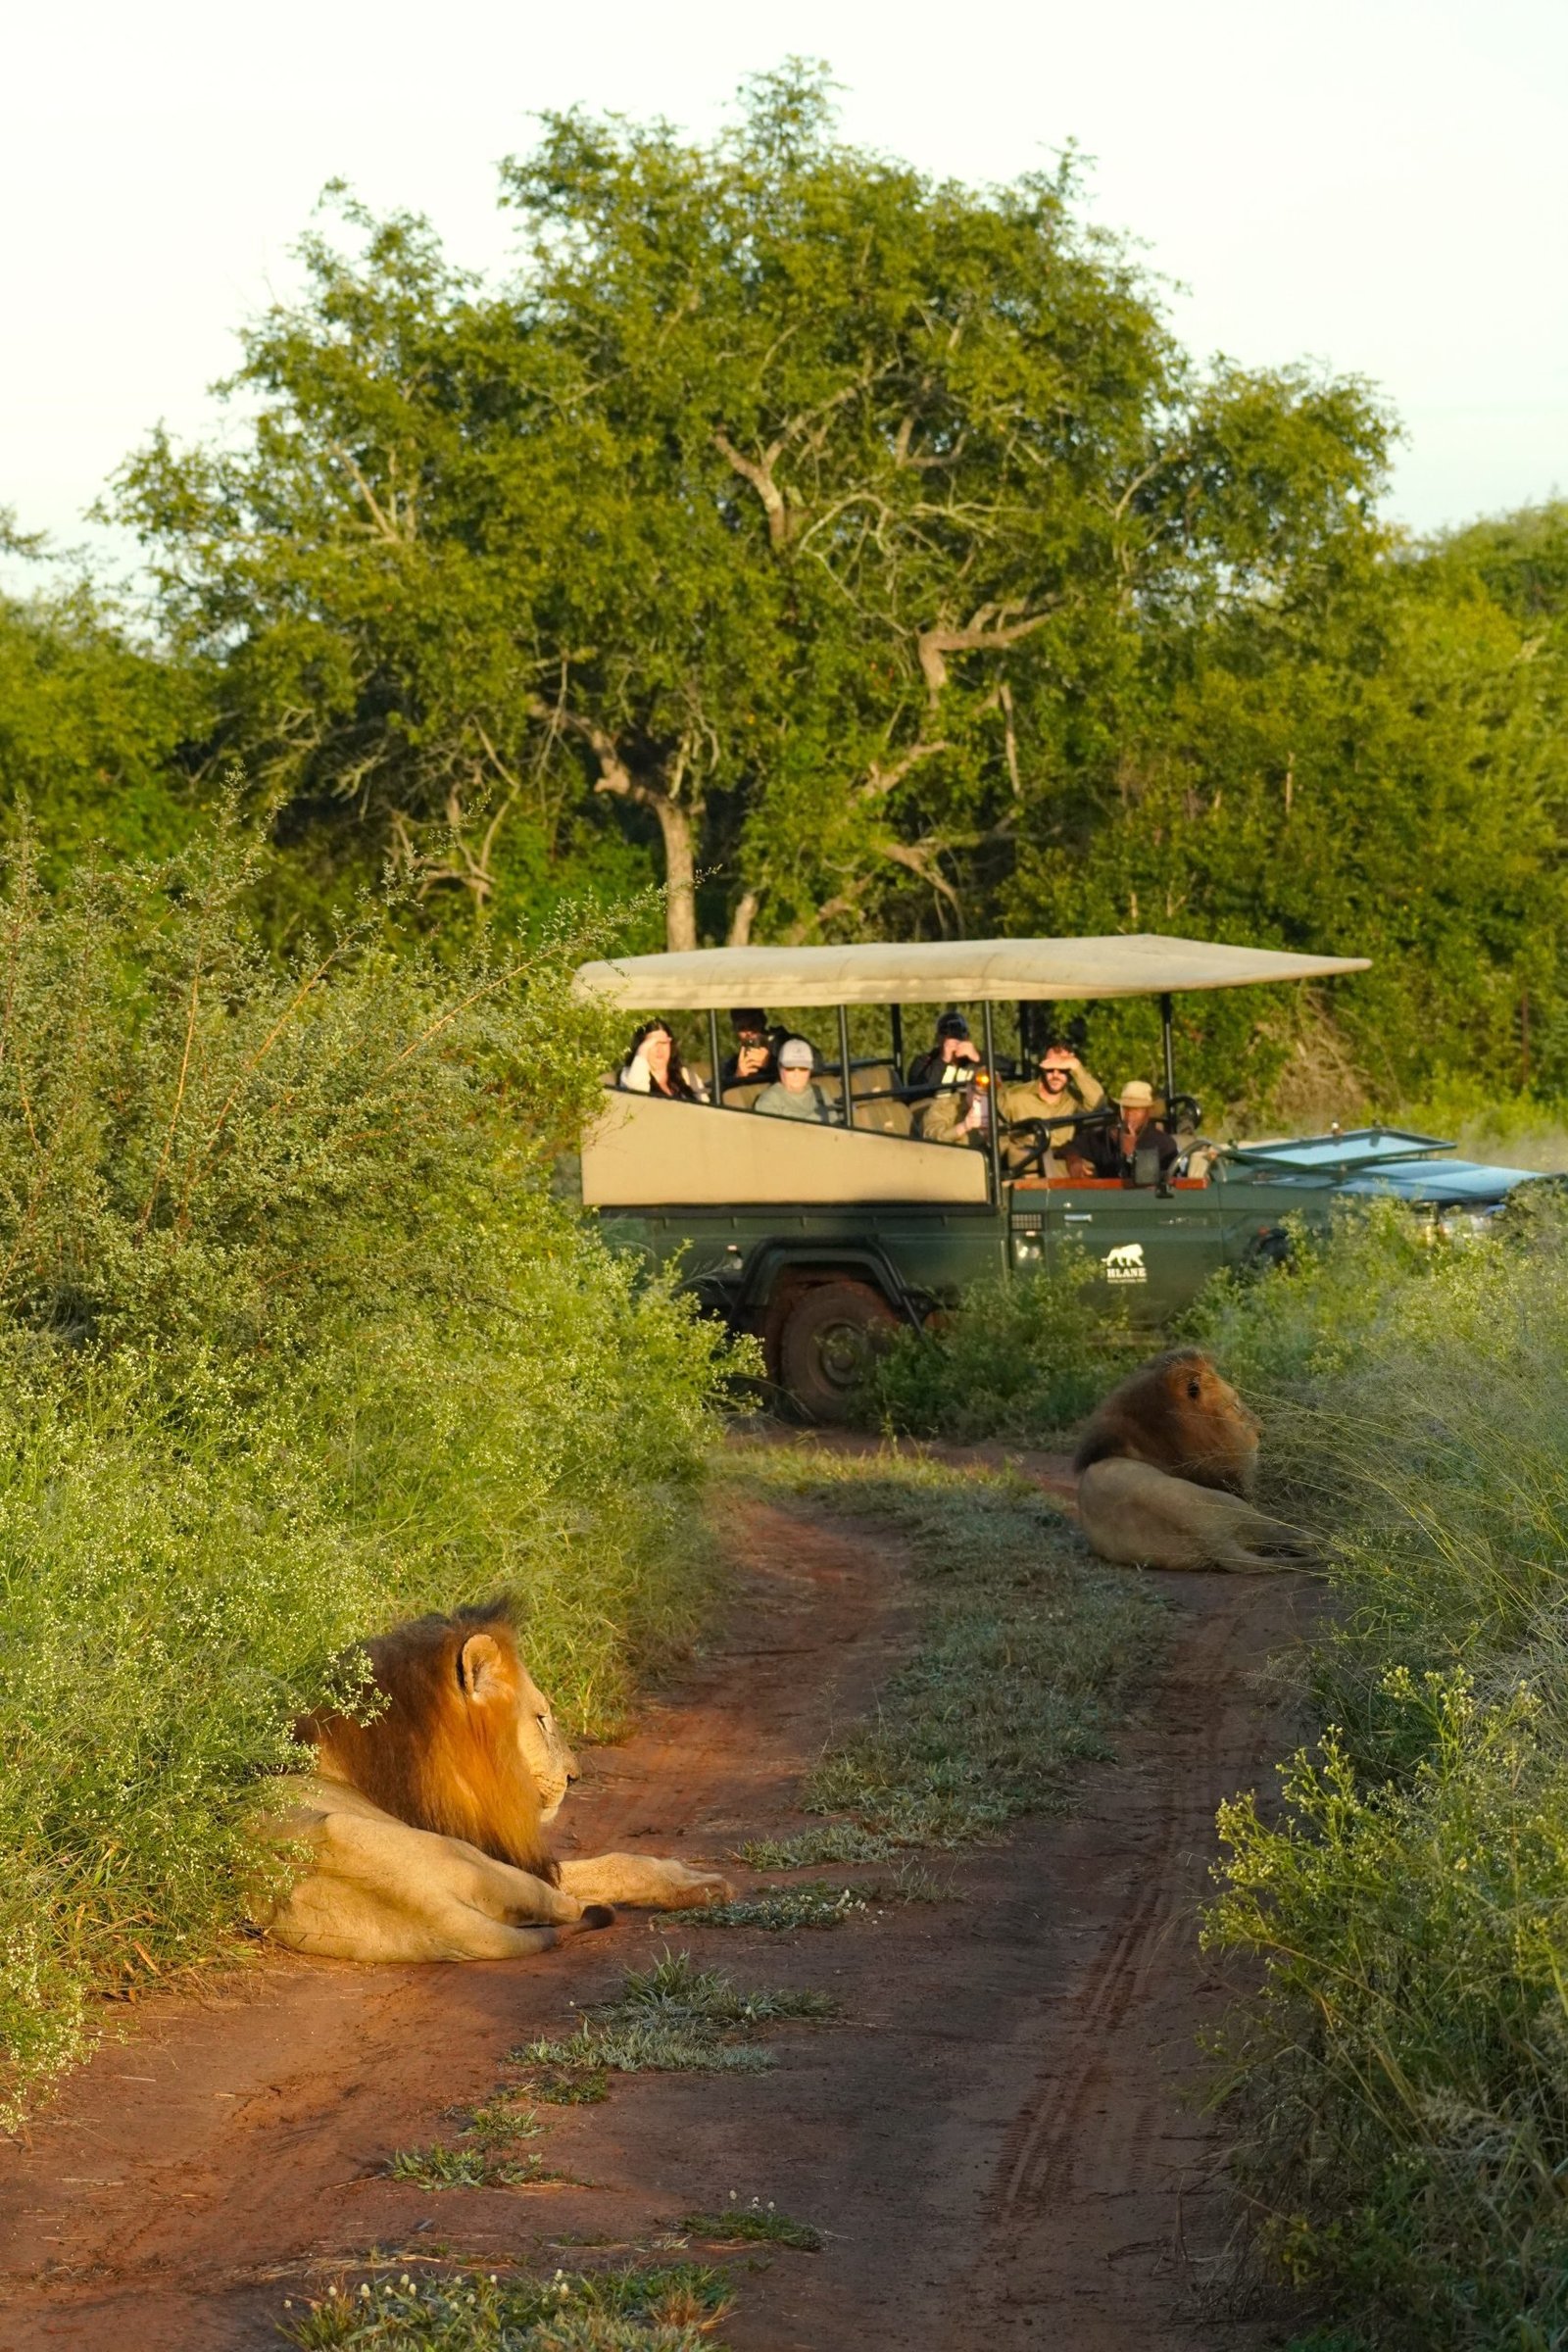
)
(993, 2138)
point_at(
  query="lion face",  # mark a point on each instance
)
(546, 1759)
(1203, 1386)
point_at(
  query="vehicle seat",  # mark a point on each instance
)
(886, 1114)
(885, 1117)
(744, 1097)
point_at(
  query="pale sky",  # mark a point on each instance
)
(1378, 184)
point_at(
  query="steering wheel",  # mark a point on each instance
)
(1040, 1148)
(1183, 1110)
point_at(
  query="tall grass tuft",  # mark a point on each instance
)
(293, 1342)
(1400, 2084)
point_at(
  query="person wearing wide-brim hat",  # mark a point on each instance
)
(1058, 1092)
(1137, 1131)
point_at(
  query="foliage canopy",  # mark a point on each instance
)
(854, 551)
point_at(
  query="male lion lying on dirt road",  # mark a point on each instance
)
(1166, 1467)
(428, 1823)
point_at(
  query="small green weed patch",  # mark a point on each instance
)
(481, 2167)
(816, 1904)
(673, 2307)
(754, 2224)
(833, 1841)
(813, 1903)
(585, 2085)
(503, 2122)
(676, 2018)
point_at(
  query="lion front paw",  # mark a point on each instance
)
(688, 1889)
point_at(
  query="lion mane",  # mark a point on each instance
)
(1177, 1415)
(444, 1750)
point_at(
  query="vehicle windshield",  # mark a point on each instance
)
(1357, 1147)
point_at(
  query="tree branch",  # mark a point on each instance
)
(990, 631)
(760, 477)
(880, 780)
(384, 524)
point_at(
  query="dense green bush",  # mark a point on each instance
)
(1020, 1359)
(293, 1342)
(1400, 2084)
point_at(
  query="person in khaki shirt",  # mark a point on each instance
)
(959, 1112)
(1061, 1089)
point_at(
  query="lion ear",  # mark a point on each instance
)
(484, 1672)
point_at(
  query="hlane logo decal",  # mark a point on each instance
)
(1126, 1265)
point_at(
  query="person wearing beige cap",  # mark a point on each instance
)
(1118, 1150)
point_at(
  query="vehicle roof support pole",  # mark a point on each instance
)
(845, 1075)
(993, 1106)
(1169, 1051)
(895, 1015)
(716, 1091)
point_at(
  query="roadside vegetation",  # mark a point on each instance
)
(1397, 2087)
(294, 1342)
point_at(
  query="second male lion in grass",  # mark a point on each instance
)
(1165, 1473)
(1177, 1415)
(426, 1823)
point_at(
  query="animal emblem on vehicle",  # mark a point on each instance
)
(424, 1813)
(1125, 1263)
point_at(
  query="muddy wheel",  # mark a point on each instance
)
(830, 1343)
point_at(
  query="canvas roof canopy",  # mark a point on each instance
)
(960, 971)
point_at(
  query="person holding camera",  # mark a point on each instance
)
(959, 1111)
(755, 1058)
(948, 1061)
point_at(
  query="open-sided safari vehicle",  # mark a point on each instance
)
(816, 1236)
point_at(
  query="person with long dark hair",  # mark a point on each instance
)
(653, 1066)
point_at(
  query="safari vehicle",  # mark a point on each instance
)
(817, 1239)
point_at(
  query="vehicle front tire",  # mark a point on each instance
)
(829, 1345)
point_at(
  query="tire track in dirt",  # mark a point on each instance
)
(1109, 2219)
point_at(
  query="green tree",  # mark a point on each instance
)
(806, 512)
(94, 727)
(1370, 759)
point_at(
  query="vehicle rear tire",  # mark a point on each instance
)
(829, 1345)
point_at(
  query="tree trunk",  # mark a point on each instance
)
(680, 876)
(675, 823)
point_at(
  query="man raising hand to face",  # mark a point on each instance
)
(1061, 1089)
